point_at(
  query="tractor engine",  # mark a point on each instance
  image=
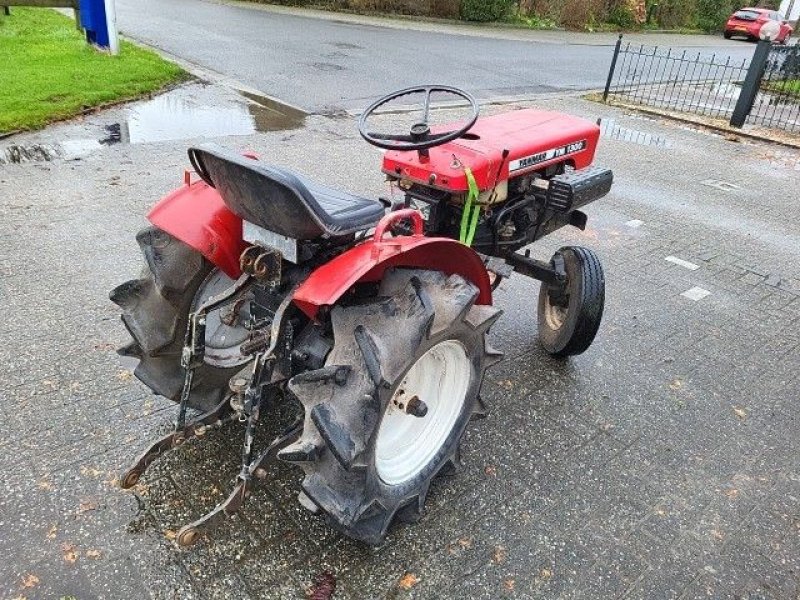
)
(528, 172)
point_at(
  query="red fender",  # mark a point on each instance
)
(367, 262)
(197, 216)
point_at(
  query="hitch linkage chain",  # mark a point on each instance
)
(191, 358)
(261, 384)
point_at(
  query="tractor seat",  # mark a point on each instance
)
(279, 200)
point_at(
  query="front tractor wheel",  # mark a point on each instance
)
(570, 315)
(388, 410)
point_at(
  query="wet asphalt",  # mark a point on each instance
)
(343, 61)
(662, 463)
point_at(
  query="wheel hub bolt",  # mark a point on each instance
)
(416, 407)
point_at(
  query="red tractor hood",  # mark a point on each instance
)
(531, 138)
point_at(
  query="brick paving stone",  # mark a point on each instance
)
(662, 463)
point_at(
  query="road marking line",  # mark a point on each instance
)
(725, 186)
(634, 223)
(696, 293)
(682, 263)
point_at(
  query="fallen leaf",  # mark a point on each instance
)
(740, 412)
(490, 470)
(732, 493)
(324, 586)
(51, 533)
(93, 553)
(676, 384)
(717, 534)
(545, 574)
(30, 580)
(124, 375)
(170, 534)
(499, 555)
(86, 505)
(70, 553)
(465, 543)
(408, 581)
(45, 485)
(91, 472)
(509, 585)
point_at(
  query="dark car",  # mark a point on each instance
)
(748, 22)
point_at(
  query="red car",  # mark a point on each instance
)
(749, 21)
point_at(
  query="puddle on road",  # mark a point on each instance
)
(185, 113)
(609, 129)
(178, 116)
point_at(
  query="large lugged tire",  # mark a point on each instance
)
(388, 410)
(570, 328)
(155, 310)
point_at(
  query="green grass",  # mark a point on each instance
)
(48, 72)
(790, 87)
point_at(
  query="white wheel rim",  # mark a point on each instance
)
(554, 315)
(406, 444)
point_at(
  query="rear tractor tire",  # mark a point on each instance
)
(387, 412)
(569, 320)
(155, 311)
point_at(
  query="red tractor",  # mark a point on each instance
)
(262, 287)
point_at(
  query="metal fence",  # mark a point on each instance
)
(764, 90)
(777, 103)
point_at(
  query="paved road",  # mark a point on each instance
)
(662, 463)
(329, 62)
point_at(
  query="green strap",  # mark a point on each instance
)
(469, 217)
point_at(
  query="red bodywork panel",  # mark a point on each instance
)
(367, 262)
(197, 216)
(534, 139)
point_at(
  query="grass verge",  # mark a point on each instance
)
(48, 72)
(790, 87)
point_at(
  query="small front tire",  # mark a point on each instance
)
(569, 318)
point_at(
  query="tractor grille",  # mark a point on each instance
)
(574, 189)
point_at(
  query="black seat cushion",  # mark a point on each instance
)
(281, 201)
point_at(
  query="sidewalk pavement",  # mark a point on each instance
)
(662, 463)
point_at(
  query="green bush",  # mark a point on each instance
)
(485, 10)
(712, 14)
(622, 17)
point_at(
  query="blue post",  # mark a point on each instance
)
(94, 21)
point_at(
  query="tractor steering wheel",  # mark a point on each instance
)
(420, 137)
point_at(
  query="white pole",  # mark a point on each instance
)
(787, 13)
(111, 25)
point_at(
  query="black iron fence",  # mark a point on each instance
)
(777, 102)
(764, 90)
